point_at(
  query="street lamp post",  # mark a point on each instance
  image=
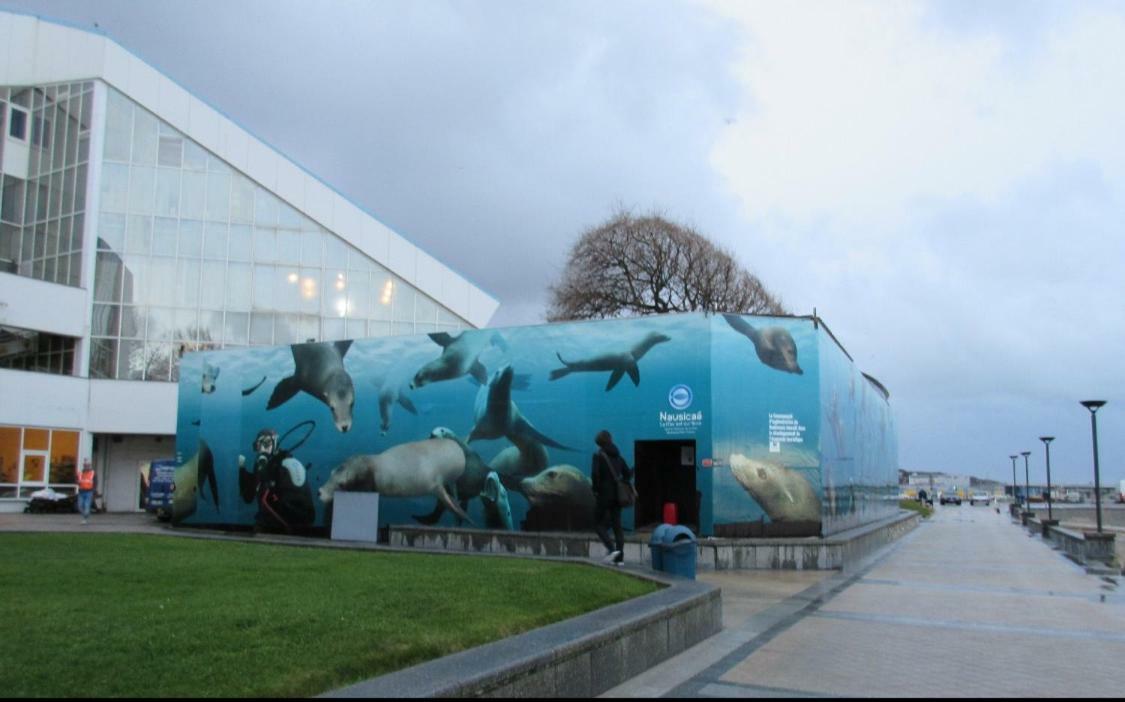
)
(1047, 445)
(1094, 406)
(1026, 483)
(1013, 479)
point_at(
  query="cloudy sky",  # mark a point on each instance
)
(944, 182)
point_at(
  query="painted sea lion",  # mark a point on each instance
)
(497, 415)
(392, 392)
(459, 356)
(210, 375)
(774, 345)
(188, 478)
(249, 391)
(785, 494)
(320, 372)
(414, 469)
(515, 463)
(468, 486)
(617, 363)
(560, 484)
(497, 511)
(561, 497)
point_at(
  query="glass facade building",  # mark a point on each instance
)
(192, 254)
(138, 224)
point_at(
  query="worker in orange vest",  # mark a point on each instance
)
(85, 490)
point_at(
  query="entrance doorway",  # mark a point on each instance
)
(665, 472)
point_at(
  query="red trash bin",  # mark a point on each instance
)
(670, 513)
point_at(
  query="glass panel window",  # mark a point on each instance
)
(332, 329)
(310, 291)
(286, 290)
(142, 188)
(167, 192)
(108, 274)
(144, 138)
(261, 328)
(132, 322)
(265, 245)
(193, 195)
(264, 287)
(239, 242)
(164, 236)
(238, 287)
(106, 320)
(131, 360)
(103, 358)
(111, 231)
(134, 290)
(236, 328)
(138, 234)
(265, 208)
(161, 323)
(118, 127)
(289, 218)
(311, 247)
(10, 454)
(17, 123)
(241, 200)
(115, 187)
(212, 286)
(288, 247)
(218, 196)
(36, 439)
(356, 328)
(171, 151)
(215, 241)
(195, 158)
(187, 282)
(191, 238)
(162, 281)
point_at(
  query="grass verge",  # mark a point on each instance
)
(916, 506)
(110, 615)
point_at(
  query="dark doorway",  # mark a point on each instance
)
(665, 472)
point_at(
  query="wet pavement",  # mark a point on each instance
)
(968, 604)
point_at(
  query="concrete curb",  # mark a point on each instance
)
(580, 657)
(835, 552)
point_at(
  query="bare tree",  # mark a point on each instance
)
(648, 265)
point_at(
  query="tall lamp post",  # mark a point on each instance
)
(1047, 445)
(1013, 479)
(1026, 483)
(1094, 406)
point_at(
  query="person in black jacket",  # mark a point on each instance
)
(606, 470)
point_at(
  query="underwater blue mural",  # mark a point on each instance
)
(750, 425)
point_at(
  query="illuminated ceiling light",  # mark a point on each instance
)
(342, 306)
(292, 277)
(340, 284)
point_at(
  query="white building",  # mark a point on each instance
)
(137, 223)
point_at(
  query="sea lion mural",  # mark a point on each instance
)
(561, 497)
(515, 463)
(468, 486)
(618, 363)
(392, 392)
(414, 469)
(246, 392)
(498, 416)
(783, 493)
(210, 375)
(320, 372)
(497, 511)
(459, 356)
(189, 477)
(774, 345)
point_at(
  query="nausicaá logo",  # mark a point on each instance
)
(680, 397)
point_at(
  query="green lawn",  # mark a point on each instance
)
(110, 615)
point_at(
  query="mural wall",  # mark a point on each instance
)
(494, 428)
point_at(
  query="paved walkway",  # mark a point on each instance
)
(966, 605)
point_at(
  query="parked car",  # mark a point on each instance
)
(982, 497)
(951, 498)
